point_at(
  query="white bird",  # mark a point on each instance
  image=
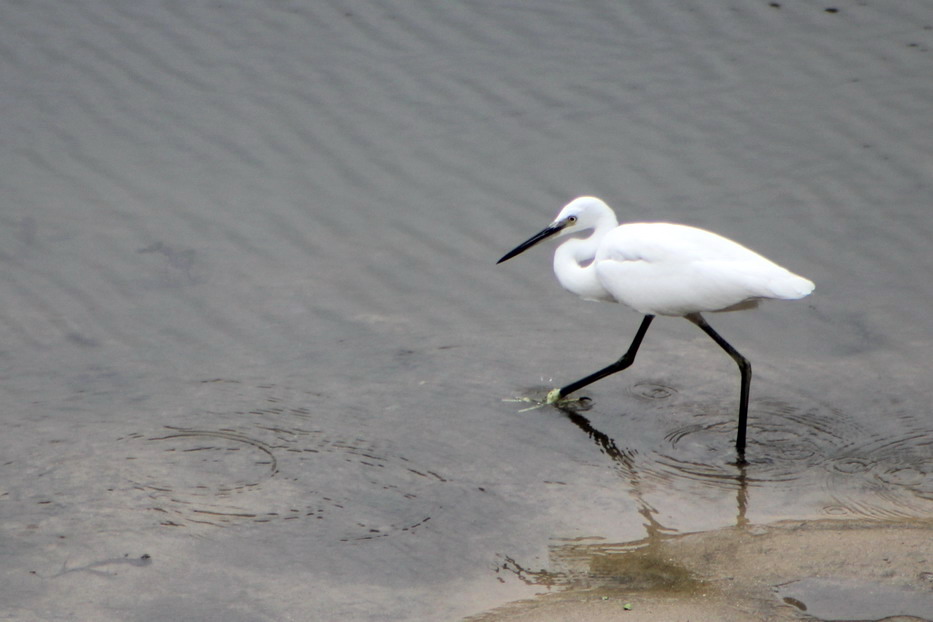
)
(661, 268)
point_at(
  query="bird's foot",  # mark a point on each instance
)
(553, 398)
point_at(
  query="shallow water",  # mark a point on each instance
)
(821, 599)
(252, 325)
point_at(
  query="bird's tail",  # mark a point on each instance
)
(791, 287)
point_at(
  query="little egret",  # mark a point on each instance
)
(660, 268)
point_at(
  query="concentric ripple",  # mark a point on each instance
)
(270, 458)
(884, 478)
(226, 462)
(813, 456)
(649, 391)
(784, 442)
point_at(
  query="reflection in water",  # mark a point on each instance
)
(638, 564)
(297, 190)
(624, 461)
(863, 475)
(883, 478)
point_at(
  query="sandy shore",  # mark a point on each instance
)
(828, 570)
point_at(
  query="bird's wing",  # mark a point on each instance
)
(666, 242)
(668, 269)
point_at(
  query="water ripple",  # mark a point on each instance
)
(272, 461)
(890, 478)
(810, 451)
(784, 443)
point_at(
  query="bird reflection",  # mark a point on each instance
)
(637, 564)
(625, 463)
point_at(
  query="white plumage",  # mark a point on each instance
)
(661, 269)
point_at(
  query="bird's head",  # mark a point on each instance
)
(581, 214)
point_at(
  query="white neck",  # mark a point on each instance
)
(575, 268)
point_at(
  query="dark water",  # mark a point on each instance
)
(252, 326)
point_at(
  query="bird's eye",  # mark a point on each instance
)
(571, 219)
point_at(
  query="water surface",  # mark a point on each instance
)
(252, 326)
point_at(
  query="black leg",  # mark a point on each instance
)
(745, 369)
(627, 359)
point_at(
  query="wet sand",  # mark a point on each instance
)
(826, 569)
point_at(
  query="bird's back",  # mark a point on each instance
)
(669, 269)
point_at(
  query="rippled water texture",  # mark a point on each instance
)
(257, 358)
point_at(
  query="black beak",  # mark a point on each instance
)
(541, 235)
